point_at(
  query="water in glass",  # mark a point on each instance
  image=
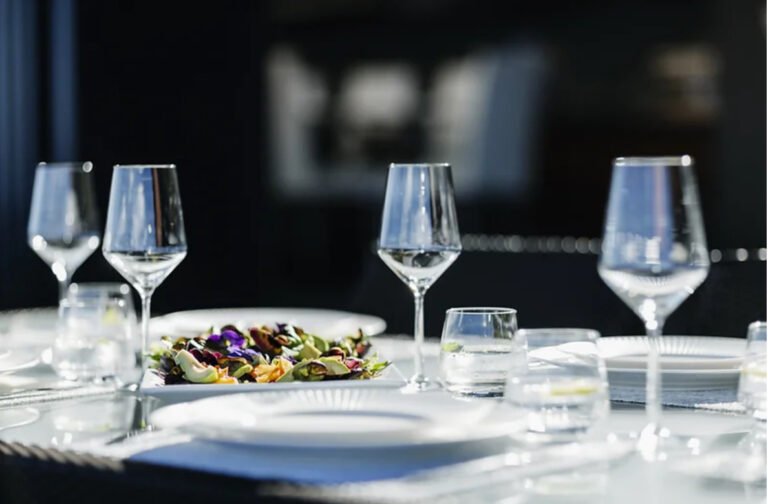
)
(419, 238)
(563, 386)
(478, 348)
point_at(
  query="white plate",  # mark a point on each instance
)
(152, 385)
(677, 352)
(326, 323)
(16, 359)
(16, 417)
(356, 419)
(688, 362)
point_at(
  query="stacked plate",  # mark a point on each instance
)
(687, 362)
(348, 419)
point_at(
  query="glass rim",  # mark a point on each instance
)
(561, 332)
(121, 286)
(757, 324)
(419, 165)
(682, 160)
(85, 166)
(146, 165)
(482, 310)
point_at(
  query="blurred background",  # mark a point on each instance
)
(283, 116)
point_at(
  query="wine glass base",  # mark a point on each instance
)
(415, 386)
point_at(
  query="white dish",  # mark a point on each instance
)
(326, 323)
(688, 362)
(677, 352)
(152, 385)
(16, 417)
(17, 359)
(346, 418)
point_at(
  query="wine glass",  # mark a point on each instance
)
(419, 238)
(144, 239)
(63, 221)
(752, 391)
(654, 256)
(746, 462)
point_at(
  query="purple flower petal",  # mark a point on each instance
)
(234, 338)
(245, 353)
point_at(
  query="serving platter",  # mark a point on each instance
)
(152, 385)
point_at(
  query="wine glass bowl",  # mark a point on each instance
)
(654, 255)
(144, 238)
(63, 219)
(419, 237)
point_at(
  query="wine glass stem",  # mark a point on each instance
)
(146, 298)
(63, 286)
(653, 376)
(418, 335)
(62, 276)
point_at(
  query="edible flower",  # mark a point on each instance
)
(268, 373)
(227, 338)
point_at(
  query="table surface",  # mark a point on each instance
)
(89, 423)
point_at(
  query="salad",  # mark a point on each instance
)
(263, 354)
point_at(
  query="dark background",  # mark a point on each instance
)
(186, 83)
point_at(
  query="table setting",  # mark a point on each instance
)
(313, 404)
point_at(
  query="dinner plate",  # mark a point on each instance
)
(344, 418)
(17, 359)
(16, 417)
(326, 323)
(687, 362)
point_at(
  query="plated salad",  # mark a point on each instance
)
(263, 354)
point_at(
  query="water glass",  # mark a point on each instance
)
(752, 382)
(96, 337)
(478, 348)
(563, 388)
(752, 394)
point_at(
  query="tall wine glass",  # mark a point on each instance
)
(419, 237)
(144, 239)
(654, 256)
(63, 219)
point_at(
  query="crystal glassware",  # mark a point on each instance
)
(419, 237)
(563, 386)
(744, 463)
(95, 337)
(477, 349)
(752, 390)
(144, 239)
(654, 255)
(63, 219)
